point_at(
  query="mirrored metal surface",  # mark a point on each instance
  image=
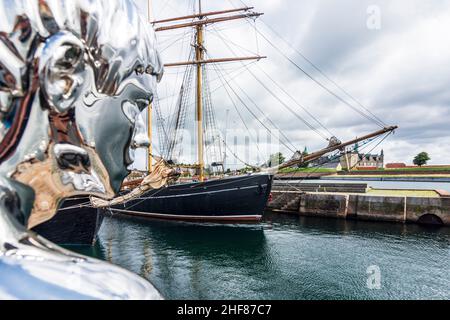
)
(74, 77)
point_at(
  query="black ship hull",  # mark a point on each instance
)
(73, 224)
(235, 199)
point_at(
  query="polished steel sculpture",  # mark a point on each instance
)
(74, 78)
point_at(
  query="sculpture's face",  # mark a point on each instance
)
(74, 78)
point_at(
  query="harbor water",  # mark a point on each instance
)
(284, 257)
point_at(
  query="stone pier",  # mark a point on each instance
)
(402, 209)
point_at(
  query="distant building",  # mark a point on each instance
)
(372, 160)
(353, 159)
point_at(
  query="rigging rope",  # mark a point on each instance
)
(178, 122)
(236, 156)
(236, 108)
(277, 85)
(323, 74)
(293, 150)
(310, 126)
(210, 128)
(161, 129)
(184, 47)
(368, 117)
(296, 102)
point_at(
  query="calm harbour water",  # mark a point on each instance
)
(285, 257)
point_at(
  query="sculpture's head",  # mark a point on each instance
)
(74, 77)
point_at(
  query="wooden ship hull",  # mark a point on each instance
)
(234, 199)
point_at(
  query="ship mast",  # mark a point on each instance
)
(150, 136)
(199, 21)
(199, 56)
(149, 113)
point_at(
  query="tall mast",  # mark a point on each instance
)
(199, 24)
(150, 136)
(199, 52)
(198, 21)
(149, 116)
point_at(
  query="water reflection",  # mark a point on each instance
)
(358, 228)
(179, 257)
(330, 258)
(285, 257)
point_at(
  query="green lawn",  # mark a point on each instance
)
(362, 175)
(409, 169)
(307, 170)
(382, 172)
(405, 193)
(421, 169)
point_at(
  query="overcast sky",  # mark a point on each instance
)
(392, 55)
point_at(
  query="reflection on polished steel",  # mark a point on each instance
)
(74, 77)
(160, 176)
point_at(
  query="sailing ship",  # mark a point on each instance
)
(219, 199)
(227, 199)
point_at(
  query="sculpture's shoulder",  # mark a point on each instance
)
(32, 267)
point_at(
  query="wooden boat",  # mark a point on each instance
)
(233, 199)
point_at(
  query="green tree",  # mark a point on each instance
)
(276, 159)
(421, 159)
(304, 154)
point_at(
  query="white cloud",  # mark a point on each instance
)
(399, 72)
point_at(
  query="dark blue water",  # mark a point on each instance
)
(285, 257)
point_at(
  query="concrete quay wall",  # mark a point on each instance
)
(364, 207)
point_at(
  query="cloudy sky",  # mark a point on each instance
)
(391, 55)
